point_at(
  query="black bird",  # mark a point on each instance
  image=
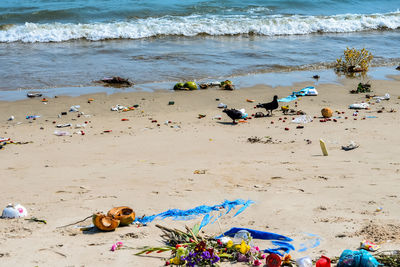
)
(269, 107)
(234, 114)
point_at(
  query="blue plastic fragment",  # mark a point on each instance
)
(294, 95)
(177, 214)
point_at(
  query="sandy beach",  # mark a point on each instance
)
(343, 198)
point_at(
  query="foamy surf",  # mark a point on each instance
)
(214, 25)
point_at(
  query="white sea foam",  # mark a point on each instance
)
(195, 24)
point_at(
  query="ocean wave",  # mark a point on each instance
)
(214, 25)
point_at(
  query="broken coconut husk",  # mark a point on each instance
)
(105, 223)
(116, 81)
(125, 215)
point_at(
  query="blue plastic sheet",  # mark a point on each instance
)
(177, 214)
(294, 95)
(281, 244)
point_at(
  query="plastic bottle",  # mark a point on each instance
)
(304, 262)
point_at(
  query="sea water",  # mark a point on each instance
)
(71, 43)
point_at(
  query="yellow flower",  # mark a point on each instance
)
(229, 244)
(243, 247)
(176, 261)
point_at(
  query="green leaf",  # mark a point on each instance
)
(196, 229)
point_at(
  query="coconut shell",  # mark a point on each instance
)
(326, 112)
(124, 214)
(105, 223)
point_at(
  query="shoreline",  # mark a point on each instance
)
(269, 79)
(151, 168)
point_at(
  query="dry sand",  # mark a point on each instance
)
(151, 169)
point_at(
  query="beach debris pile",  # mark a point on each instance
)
(188, 86)
(116, 81)
(121, 108)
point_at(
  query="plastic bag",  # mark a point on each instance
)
(357, 258)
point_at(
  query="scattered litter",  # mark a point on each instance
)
(32, 117)
(170, 103)
(259, 115)
(323, 262)
(359, 106)
(14, 211)
(326, 112)
(116, 246)
(217, 117)
(304, 262)
(316, 77)
(116, 81)
(63, 125)
(107, 131)
(199, 172)
(77, 126)
(31, 95)
(200, 116)
(222, 105)
(227, 85)
(124, 119)
(307, 91)
(368, 245)
(351, 146)
(74, 108)
(187, 86)
(361, 258)
(362, 88)
(63, 113)
(34, 219)
(115, 217)
(250, 100)
(61, 133)
(11, 118)
(118, 107)
(380, 98)
(302, 119)
(323, 147)
(177, 214)
(45, 100)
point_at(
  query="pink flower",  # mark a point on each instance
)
(116, 246)
(263, 256)
(257, 248)
(257, 263)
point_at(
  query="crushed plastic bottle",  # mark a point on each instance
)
(304, 262)
(61, 133)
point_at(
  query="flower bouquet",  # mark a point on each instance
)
(191, 249)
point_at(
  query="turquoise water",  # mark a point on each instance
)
(46, 43)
